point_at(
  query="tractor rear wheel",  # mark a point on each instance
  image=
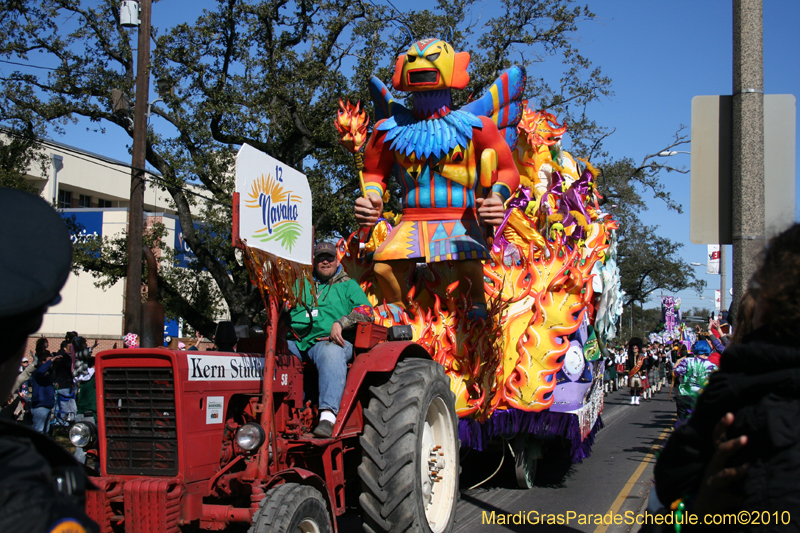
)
(292, 508)
(409, 465)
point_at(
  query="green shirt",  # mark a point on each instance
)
(340, 298)
(87, 396)
(694, 373)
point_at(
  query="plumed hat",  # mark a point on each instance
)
(635, 341)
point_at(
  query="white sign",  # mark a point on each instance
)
(225, 367)
(713, 259)
(274, 206)
(717, 300)
(215, 412)
(711, 162)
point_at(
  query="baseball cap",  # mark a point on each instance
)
(325, 247)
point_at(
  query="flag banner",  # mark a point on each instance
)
(713, 259)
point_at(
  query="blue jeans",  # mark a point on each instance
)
(331, 362)
(65, 409)
(41, 417)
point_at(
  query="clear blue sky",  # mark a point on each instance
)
(658, 54)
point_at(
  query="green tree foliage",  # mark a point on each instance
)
(701, 313)
(18, 154)
(647, 261)
(645, 321)
(267, 73)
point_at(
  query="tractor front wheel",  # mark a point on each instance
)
(409, 466)
(292, 508)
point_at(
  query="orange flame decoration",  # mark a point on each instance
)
(539, 131)
(540, 127)
(351, 122)
(511, 358)
(547, 295)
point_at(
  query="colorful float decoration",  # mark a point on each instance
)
(669, 329)
(531, 362)
(672, 327)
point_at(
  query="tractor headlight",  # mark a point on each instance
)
(250, 436)
(82, 434)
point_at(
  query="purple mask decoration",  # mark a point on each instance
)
(520, 201)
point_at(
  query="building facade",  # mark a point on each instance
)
(94, 190)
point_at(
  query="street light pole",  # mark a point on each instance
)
(133, 287)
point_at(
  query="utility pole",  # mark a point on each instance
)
(133, 287)
(632, 304)
(748, 142)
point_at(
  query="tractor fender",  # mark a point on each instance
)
(304, 477)
(382, 358)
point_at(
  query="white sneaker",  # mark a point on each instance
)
(633, 400)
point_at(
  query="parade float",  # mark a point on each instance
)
(672, 328)
(525, 361)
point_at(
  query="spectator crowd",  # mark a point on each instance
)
(736, 445)
(54, 389)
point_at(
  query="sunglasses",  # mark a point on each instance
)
(325, 258)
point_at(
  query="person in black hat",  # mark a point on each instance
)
(323, 334)
(225, 336)
(634, 367)
(41, 485)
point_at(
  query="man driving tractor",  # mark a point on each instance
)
(321, 332)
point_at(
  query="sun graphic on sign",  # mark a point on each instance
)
(278, 208)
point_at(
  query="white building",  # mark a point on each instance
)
(96, 190)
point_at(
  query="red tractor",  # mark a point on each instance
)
(189, 440)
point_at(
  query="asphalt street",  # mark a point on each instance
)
(615, 479)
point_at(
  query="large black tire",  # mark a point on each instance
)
(292, 508)
(409, 465)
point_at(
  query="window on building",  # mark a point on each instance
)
(84, 201)
(64, 199)
(103, 203)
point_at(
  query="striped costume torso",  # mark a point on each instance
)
(436, 162)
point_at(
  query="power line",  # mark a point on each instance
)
(26, 65)
(70, 69)
(80, 155)
(400, 16)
